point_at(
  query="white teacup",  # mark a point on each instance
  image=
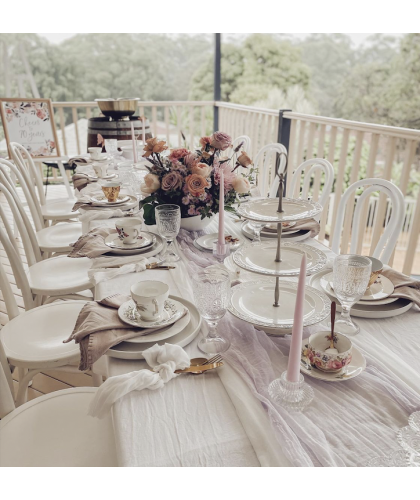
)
(100, 170)
(95, 153)
(128, 229)
(150, 297)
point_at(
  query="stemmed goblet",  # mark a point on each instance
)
(212, 293)
(168, 221)
(350, 279)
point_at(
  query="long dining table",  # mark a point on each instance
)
(222, 418)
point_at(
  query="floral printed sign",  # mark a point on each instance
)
(31, 124)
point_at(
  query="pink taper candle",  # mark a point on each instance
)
(221, 239)
(295, 354)
(143, 119)
(133, 137)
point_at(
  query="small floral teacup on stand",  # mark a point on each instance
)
(129, 229)
(150, 298)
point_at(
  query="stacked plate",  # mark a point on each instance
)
(376, 303)
(173, 329)
(148, 245)
(100, 200)
(266, 232)
(99, 203)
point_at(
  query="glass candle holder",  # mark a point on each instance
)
(295, 396)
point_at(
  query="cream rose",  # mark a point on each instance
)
(151, 184)
(241, 185)
(201, 169)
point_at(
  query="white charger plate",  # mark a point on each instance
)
(166, 332)
(265, 210)
(127, 350)
(326, 284)
(259, 258)
(206, 242)
(298, 235)
(146, 252)
(147, 239)
(172, 312)
(252, 301)
(355, 368)
(101, 200)
(375, 311)
(131, 203)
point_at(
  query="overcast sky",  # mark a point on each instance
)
(357, 38)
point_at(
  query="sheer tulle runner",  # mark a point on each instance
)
(347, 424)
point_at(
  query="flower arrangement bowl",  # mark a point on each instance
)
(195, 223)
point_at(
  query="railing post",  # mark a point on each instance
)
(217, 80)
(283, 137)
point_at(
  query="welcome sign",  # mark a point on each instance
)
(30, 122)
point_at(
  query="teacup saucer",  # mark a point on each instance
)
(355, 368)
(172, 312)
(145, 240)
(102, 200)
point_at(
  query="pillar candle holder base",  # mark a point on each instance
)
(221, 250)
(294, 396)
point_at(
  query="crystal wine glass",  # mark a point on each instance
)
(212, 293)
(168, 221)
(111, 146)
(350, 279)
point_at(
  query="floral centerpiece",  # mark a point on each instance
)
(191, 179)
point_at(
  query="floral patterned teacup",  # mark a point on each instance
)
(150, 298)
(129, 230)
(325, 361)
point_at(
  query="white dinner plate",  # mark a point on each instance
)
(105, 178)
(327, 286)
(265, 210)
(163, 334)
(127, 350)
(260, 258)
(146, 252)
(375, 311)
(172, 312)
(145, 239)
(298, 235)
(252, 301)
(206, 242)
(100, 200)
(132, 202)
(355, 368)
(272, 227)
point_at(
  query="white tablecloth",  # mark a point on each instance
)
(214, 419)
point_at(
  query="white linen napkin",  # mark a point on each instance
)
(163, 359)
(106, 268)
(101, 215)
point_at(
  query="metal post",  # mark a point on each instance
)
(217, 80)
(283, 136)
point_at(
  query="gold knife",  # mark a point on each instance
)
(200, 368)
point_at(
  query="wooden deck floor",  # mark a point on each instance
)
(50, 381)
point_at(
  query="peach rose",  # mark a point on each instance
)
(196, 184)
(201, 169)
(220, 140)
(172, 181)
(244, 160)
(204, 141)
(178, 154)
(241, 185)
(153, 145)
(151, 183)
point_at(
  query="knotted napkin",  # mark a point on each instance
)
(404, 286)
(91, 244)
(77, 161)
(105, 268)
(98, 328)
(80, 181)
(164, 360)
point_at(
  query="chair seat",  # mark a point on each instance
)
(59, 209)
(54, 430)
(58, 238)
(35, 337)
(59, 275)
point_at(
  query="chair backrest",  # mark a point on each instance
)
(7, 404)
(309, 168)
(7, 170)
(388, 240)
(25, 163)
(265, 161)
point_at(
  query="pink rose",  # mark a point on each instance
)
(41, 114)
(177, 154)
(220, 140)
(201, 169)
(151, 184)
(172, 181)
(334, 364)
(190, 159)
(241, 185)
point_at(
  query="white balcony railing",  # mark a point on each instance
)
(354, 148)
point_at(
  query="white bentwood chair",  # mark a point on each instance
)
(59, 276)
(52, 210)
(265, 161)
(388, 240)
(50, 239)
(308, 168)
(53, 430)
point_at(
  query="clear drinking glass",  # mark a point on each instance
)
(111, 146)
(212, 293)
(168, 221)
(350, 279)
